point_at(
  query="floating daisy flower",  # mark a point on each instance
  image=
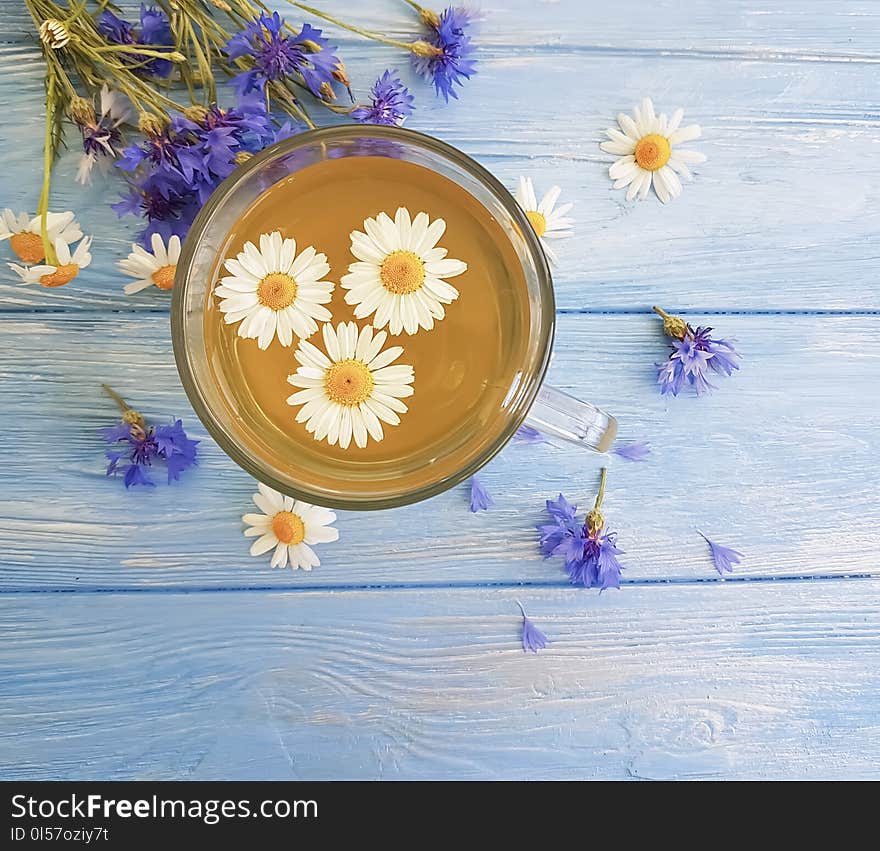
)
(548, 220)
(290, 526)
(399, 272)
(649, 152)
(354, 388)
(64, 271)
(273, 290)
(151, 270)
(24, 236)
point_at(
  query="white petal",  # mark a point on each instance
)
(686, 134)
(263, 544)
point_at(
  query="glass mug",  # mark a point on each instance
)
(380, 484)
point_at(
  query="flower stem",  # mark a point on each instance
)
(129, 415)
(123, 407)
(601, 495)
(43, 205)
(350, 27)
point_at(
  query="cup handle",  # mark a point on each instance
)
(557, 414)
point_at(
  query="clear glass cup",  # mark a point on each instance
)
(552, 412)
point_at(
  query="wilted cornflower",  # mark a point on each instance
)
(145, 446)
(589, 551)
(446, 59)
(102, 138)
(695, 355)
(391, 102)
(278, 55)
(155, 30)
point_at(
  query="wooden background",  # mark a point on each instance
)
(139, 640)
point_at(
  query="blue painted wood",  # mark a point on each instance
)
(294, 675)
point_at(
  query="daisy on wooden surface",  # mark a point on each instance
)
(154, 269)
(399, 273)
(548, 221)
(351, 390)
(275, 291)
(69, 265)
(290, 526)
(647, 145)
(23, 233)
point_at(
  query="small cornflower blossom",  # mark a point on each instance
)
(446, 62)
(695, 355)
(154, 30)
(589, 551)
(532, 638)
(391, 102)
(278, 55)
(102, 139)
(145, 445)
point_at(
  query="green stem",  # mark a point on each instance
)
(601, 494)
(350, 27)
(43, 205)
(123, 407)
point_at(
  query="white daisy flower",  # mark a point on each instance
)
(548, 220)
(275, 291)
(289, 526)
(68, 266)
(399, 272)
(353, 389)
(649, 152)
(23, 233)
(151, 270)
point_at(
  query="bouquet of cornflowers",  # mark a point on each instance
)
(143, 95)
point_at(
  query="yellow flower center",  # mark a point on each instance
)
(402, 272)
(288, 527)
(61, 276)
(653, 151)
(277, 291)
(348, 382)
(539, 223)
(28, 247)
(164, 278)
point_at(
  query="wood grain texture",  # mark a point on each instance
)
(782, 138)
(779, 462)
(767, 680)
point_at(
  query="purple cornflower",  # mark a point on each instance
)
(450, 65)
(102, 138)
(481, 499)
(146, 445)
(532, 638)
(590, 553)
(172, 173)
(155, 30)
(637, 451)
(695, 355)
(278, 55)
(391, 102)
(724, 557)
(527, 434)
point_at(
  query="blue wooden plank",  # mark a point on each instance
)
(763, 681)
(779, 463)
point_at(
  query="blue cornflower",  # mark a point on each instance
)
(278, 55)
(145, 446)
(637, 451)
(695, 355)
(481, 499)
(724, 557)
(532, 638)
(527, 434)
(590, 553)
(155, 30)
(449, 63)
(391, 102)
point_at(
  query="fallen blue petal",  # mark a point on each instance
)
(532, 638)
(634, 451)
(724, 557)
(481, 500)
(527, 434)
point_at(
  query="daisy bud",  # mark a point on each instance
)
(309, 46)
(242, 157)
(429, 18)
(326, 91)
(54, 34)
(422, 48)
(82, 112)
(341, 75)
(151, 125)
(197, 113)
(673, 326)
